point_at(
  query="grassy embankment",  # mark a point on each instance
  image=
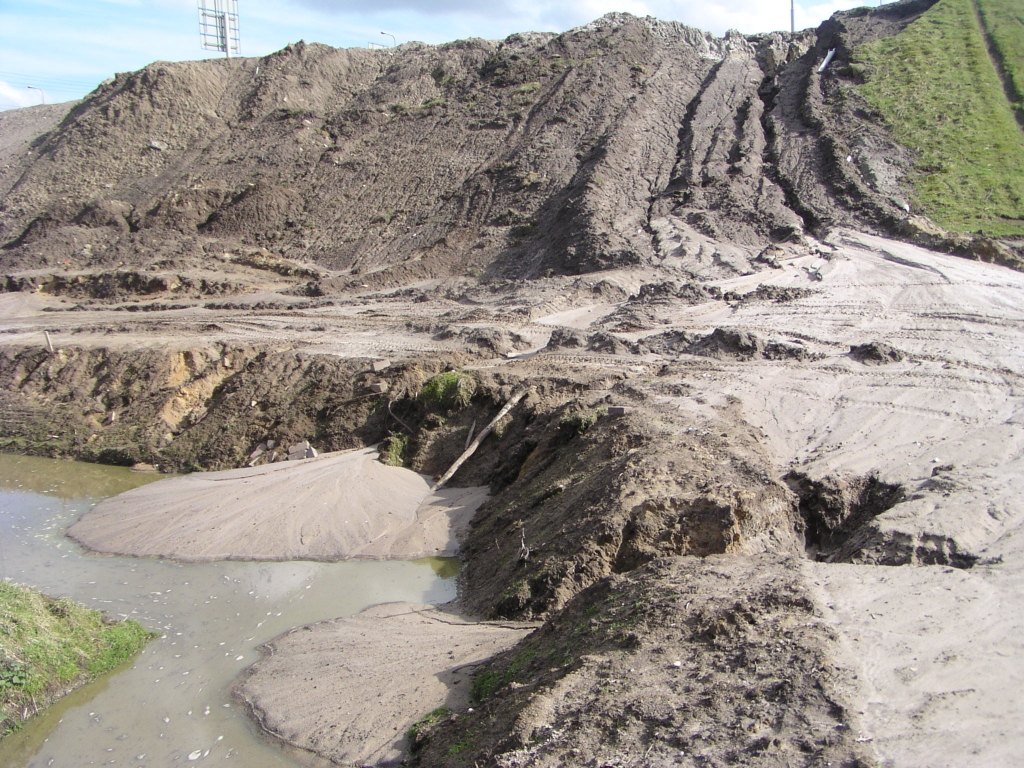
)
(941, 95)
(49, 647)
(1004, 24)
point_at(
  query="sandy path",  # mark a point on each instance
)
(335, 507)
(350, 689)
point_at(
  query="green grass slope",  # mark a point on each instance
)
(940, 94)
(48, 647)
(1004, 23)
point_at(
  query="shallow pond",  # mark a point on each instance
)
(171, 706)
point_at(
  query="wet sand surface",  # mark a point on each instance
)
(350, 689)
(173, 702)
(334, 507)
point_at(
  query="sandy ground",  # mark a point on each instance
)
(334, 507)
(350, 689)
(939, 648)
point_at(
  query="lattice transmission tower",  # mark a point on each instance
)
(218, 27)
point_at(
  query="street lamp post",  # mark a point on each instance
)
(42, 93)
(393, 40)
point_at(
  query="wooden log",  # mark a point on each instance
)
(480, 438)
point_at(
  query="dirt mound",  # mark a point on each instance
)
(518, 158)
(19, 130)
(725, 343)
(876, 353)
(718, 661)
(722, 344)
(592, 494)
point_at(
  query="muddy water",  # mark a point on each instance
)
(171, 705)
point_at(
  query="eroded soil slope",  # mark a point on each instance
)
(626, 141)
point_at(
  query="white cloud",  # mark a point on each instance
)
(12, 98)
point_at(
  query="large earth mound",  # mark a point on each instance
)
(625, 141)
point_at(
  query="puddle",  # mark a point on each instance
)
(172, 702)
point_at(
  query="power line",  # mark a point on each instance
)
(84, 84)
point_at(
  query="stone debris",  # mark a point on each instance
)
(380, 365)
(618, 410)
(301, 451)
(264, 453)
(379, 387)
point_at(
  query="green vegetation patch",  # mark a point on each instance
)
(486, 683)
(449, 391)
(48, 647)
(425, 722)
(393, 451)
(940, 95)
(1004, 24)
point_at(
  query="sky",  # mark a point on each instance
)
(58, 50)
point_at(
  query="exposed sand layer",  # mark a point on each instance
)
(334, 507)
(350, 689)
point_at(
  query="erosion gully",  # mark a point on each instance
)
(171, 705)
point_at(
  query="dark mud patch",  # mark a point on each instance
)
(834, 509)
(841, 523)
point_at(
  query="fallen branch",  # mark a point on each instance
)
(480, 438)
(395, 416)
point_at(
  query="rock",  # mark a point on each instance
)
(312, 453)
(298, 451)
(876, 353)
(380, 365)
(260, 450)
(143, 467)
(379, 387)
(608, 344)
(618, 410)
(158, 145)
(567, 338)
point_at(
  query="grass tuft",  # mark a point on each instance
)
(393, 453)
(48, 647)
(449, 391)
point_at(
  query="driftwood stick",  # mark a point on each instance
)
(395, 416)
(469, 437)
(48, 342)
(480, 438)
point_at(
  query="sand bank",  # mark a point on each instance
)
(334, 507)
(350, 689)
